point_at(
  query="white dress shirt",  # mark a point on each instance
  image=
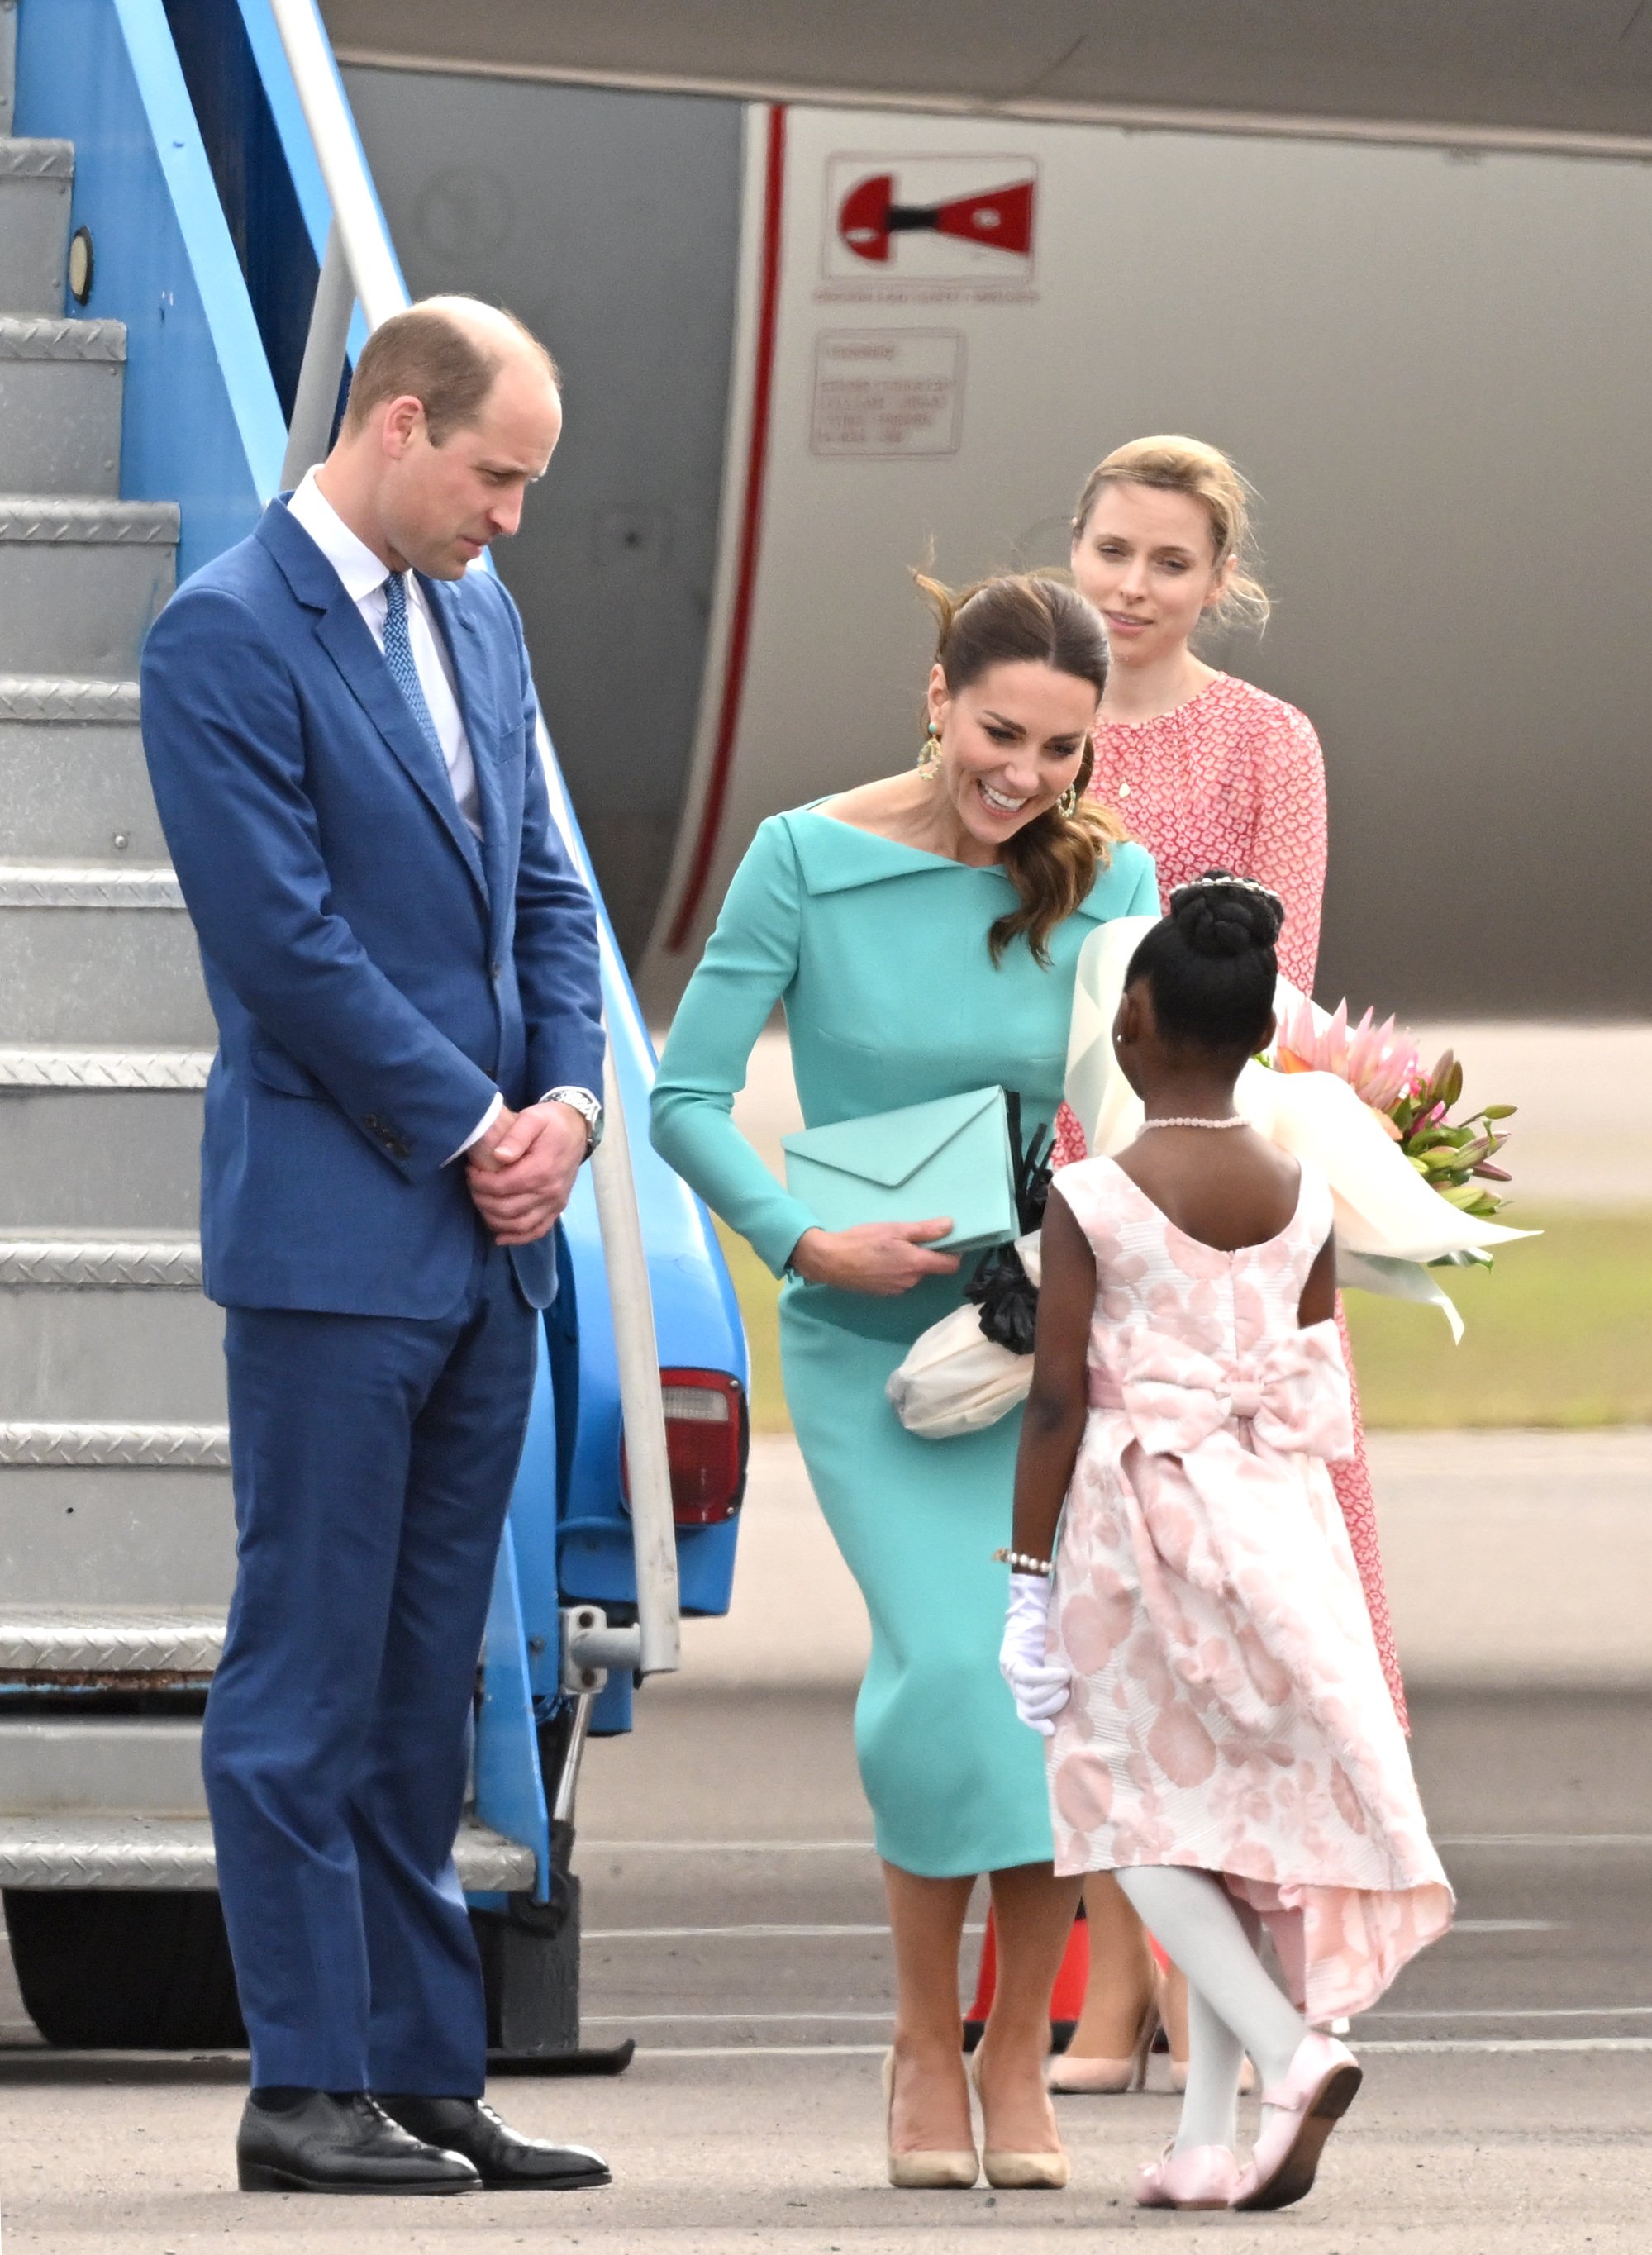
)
(364, 576)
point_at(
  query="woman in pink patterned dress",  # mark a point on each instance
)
(1193, 1642)
(1207, 771)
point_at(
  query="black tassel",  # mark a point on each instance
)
(1001, 1286)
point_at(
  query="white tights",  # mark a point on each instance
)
(1233, 2005)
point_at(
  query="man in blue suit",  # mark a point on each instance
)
(403, 963)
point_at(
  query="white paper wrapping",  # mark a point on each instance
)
(1389, 1222)
(1384, 1208)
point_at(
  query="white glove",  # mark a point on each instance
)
(1040, 1687)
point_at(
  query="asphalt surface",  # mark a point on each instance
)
(733, 1927)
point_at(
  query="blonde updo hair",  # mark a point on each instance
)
(1013, 617)
(1204, 473)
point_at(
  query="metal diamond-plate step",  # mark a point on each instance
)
(70, 885)
(50, 336)
(51, 1640)
(78, 1764)
(61, 697)
(109, 1069)
(73, 780)
(103, 1264)
(82, 582)
(171, 1448)
(152, 1851)
(106, 1142)
(36, 178)
(93, 954)
(51, 521)
(37, 160)
(100, 1328)
(61, 386)
(109, 1536)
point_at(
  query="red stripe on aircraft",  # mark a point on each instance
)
(750, 535)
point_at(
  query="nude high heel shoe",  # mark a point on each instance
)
(1205, 2176)
(1066, 2071)
(1316, 2092)
(1008, 2171)
(933, 2171)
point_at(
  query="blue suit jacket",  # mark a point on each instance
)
(375, 973)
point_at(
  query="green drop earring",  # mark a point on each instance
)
(929, 759)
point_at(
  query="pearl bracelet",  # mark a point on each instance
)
(1019, 1563)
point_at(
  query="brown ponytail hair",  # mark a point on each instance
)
(1012, 618)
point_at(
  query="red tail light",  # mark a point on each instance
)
(705, 1446)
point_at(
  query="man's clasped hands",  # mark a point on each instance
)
(521, 1172)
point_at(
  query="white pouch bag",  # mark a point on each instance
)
(954, 1379)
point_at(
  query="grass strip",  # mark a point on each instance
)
(1559, 1334)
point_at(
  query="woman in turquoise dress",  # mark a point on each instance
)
(921, 933)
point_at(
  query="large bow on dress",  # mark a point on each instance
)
(1250, 1654)
(1293, 1394)
(1214, 1482)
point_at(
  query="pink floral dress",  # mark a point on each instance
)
(1235, 779)
(1228, 1709)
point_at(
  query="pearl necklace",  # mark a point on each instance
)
(1236, 1121)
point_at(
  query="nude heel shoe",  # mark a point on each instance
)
(1008, 2171)
(1205, 2176)
(1318, 2089)
(935, 2171)
(1098, 2078)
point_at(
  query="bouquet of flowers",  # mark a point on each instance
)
(1413, 1189)
(1381, 1065)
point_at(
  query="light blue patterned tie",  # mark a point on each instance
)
(399, 656)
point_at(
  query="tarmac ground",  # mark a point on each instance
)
(734, 1922)
(735, 1926)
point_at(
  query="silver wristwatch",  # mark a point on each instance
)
(590, 1108)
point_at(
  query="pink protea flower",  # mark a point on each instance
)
(1379, 1063)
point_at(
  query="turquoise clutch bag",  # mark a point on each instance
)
(949, 1157)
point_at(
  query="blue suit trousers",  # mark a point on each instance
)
(374, 1458)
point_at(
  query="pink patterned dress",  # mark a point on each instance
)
(1235, 779)
(1228, 1709)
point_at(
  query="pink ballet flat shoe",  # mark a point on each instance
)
(1205, 2176)
(1316, 2092)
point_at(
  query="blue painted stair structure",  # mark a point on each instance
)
(164, 219)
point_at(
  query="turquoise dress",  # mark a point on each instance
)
(879, 954)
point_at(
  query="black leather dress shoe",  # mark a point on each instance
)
(504, 2162)
(324, 2144)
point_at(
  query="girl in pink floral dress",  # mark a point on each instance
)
(1207, 771)
(1199, 1654)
